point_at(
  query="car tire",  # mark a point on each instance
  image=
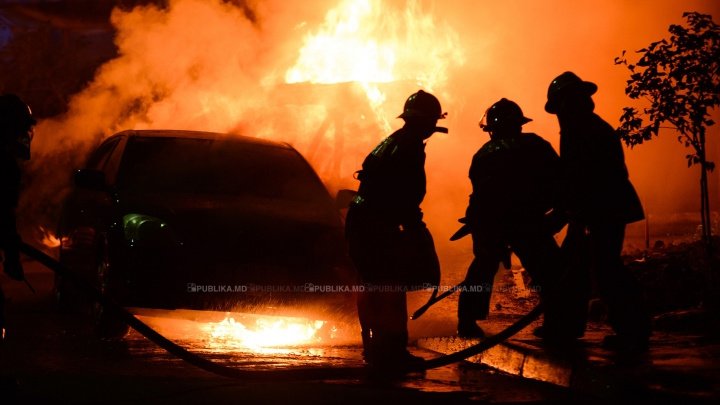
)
(107, 324)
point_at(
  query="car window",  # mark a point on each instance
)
(98, 159)
(229, 167)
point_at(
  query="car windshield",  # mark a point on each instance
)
(227, 167)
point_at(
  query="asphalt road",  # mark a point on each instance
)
(54, 357)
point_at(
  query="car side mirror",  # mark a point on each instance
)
(344, 197)
(90, 179)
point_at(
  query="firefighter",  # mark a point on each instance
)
(514, 184)
(599, 200)
(388, 241)
(16, 133)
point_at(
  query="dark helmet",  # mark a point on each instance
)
(504, 113)
(564, 84)
(14, 113)
(16, 124)
(422, 105)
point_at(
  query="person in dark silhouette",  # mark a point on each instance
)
(514, 184)
(599, 200)
(388, 241)
(16, 133)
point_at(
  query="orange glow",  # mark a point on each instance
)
(220, 332)
(367, 42)
(345, 49)
(330, 76)
(49, 239)
(262, 332)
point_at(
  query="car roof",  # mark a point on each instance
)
(174, 133)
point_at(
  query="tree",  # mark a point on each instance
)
(680, 79)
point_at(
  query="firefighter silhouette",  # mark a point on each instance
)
(514, 184)
(388, 241)
(16, 133)
(598, 200)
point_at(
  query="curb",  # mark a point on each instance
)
(514, 358)
(680, 367)
(582, 369)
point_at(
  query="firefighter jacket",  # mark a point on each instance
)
(392, 179)
(387, 239)
(515, 182)
(10, 175)
(595, 184)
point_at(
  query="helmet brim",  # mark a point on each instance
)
(410, 114)
(490, 128)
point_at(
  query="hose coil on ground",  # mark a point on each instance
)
(298, 373)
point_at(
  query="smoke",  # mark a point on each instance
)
(195, 64)
(221, 66)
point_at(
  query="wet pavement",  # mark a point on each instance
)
(678, 367)
(56, 357)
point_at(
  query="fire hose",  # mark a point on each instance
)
(297, 373)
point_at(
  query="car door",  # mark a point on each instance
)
(88, 209)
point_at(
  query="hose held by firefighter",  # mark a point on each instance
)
(514, 184)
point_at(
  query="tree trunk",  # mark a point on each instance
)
(705, 208)
(705, 217)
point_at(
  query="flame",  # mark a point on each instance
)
(350, 68)
(297, 331)
(345, 49)
(262, 332)
(49, 239)
(368, 42)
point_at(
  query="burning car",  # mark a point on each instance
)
(196, 220)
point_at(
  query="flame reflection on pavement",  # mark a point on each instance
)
(226, 332)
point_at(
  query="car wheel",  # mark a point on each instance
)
(107, 324)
